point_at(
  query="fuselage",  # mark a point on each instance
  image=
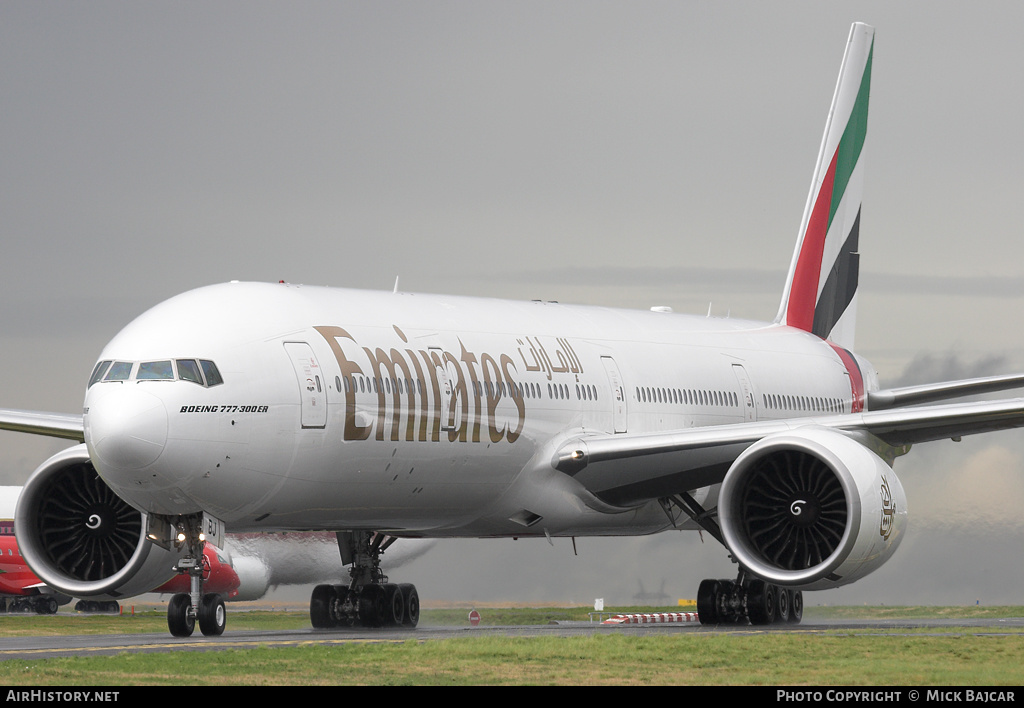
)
(16, 578)
(282, 407)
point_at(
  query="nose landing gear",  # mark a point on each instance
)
(185, 609)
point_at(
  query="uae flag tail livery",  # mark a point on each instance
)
(821, 290)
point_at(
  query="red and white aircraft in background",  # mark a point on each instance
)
(379, 415)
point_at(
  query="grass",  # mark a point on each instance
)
(910, 612)
(606, 659)
(875, 657)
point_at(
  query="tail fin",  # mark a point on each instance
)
(821, 290)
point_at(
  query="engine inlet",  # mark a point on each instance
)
(88, 532)
(796, 510)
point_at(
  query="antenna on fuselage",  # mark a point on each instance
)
(396, 285)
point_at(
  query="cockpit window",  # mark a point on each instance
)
(212, 374)
(119, 371)
(188, 370)
(192, 370)
(150, 370)
(97, 373)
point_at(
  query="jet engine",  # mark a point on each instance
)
(811, 509)
(82, 539)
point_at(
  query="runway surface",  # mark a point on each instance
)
(23, 648)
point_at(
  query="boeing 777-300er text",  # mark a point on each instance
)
(382, 415)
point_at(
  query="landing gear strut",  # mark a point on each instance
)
(185, 608)
(727, 601)
(369, 600)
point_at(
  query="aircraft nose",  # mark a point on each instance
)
(125, 427)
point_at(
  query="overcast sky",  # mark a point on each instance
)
(627, 154)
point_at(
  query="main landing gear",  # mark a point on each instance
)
(746, 598)
(727, 601)
(109, 607)
(369, 600)
(185, 608)
(40, 604)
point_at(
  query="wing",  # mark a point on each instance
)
(56, 425)
(625, 469)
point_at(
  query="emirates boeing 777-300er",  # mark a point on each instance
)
(250, 407)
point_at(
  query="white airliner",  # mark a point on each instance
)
(380, 415)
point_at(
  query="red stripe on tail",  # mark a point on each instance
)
(803, 294)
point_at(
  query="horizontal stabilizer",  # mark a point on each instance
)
(932, 393)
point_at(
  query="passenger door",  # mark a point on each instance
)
(312, 386)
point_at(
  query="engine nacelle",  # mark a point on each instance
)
(811, 509)
(82, 539)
